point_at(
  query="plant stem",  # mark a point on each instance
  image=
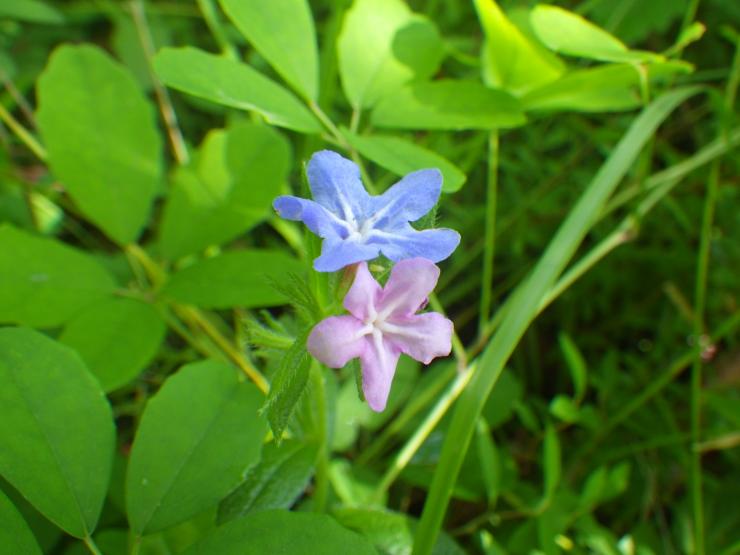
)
(23, 134)
(179, 149)
(422, 432)
(321, 492)
(490, 231)
(90, 543)
(700, 296)
(214, 25)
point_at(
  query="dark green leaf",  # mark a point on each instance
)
(197, 437)
(402, 156)
(576, 364)
(237, 278)
(15, 536)
(288, 385)
(448, 104)
(391, 533)
(100, 134)
(551, 460)
(228, 189)
(274, 483)
(117, 338)
(282, 532)
(57, 433)
(43, 283)
(382, 46)
(283, 32)
(233, 84)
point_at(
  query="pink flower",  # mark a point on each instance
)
(382, 324)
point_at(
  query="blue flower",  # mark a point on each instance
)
(357, 226)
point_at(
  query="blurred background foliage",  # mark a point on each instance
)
(585, 444)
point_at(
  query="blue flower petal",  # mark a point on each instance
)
(336, 185)
(432, 244)
(408, 200)
(319, 220)
(336, 254)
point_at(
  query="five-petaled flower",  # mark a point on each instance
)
(357, 226)
(382, 324)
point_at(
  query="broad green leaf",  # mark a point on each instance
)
(402, 156)
(569, 33)
(599, 89)
(288, 385)
(197, 437)
(275, 482)
(390, 532)
(117, 338)
(100, 134)
(15, 535)
(236, 278)
(33, 11)
(283, 32)
(43, 282)
(232, 84)
(57, 432)
(551, 460)
(228, 188)
(510, 59)
(576, 364)
(281, 532)
(382, 46)
(448, 104)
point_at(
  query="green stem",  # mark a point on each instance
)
(321, 492)
(23, 134)
(422, 432)
(169, 116)
(135, 546)
(490, 231)
(90, 543)
(214, 25)
(700, 296)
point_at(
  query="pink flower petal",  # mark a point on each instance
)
(408, 287)
(336, 340)
(423, 337)
(378, 367)
(362, 297)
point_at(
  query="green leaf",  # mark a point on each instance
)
(283, 32)
(43, 282)
(382, 46)
(288, 385)
(607, 88)
(100, 134)
(232, 84)
(490, 461)
(569, 33)
(511, 60)
(57, 433)
(402, 156)
(227, 190)
(448, 104)
(196, 438)
(551, 461)
(275, 482)
(33, 11)
(15, 535)
(117, 338)
(576, 364)
(390, 532)
(565, 408)
(236, 278)
(282, 532)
